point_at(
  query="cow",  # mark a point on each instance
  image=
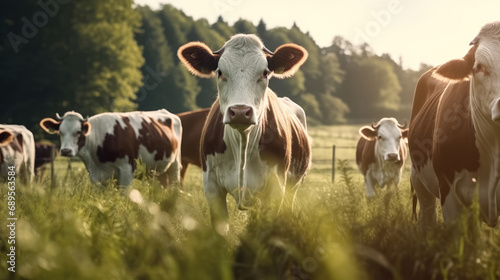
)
(18, 153)
(252, 146)
(193, 122)
(381, 153)
(43, 154)
(192, 126)
(454, 133)
(109, 144)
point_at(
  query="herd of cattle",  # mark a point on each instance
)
(254, 145)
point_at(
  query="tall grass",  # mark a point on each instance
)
(80, 231)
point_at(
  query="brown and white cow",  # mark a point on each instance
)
(252, 144)
(192, 126)
(110, 143)
(18, 152)
(454, 137)
(381, 153)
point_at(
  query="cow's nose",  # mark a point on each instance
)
(66, 152)
(392, 157)
(240, 115)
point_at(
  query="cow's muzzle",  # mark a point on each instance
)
(66, 153)
(240, 116)
(392, 157)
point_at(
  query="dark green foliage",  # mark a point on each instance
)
(83, 57)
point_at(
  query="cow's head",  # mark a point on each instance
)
(72, 128)
(243, 67)
(5, 137)
(483, 63)
(388, 133)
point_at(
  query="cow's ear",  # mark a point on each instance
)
(6, 137)
(368, 133)
(458, 69)
(198, 59)
(286, 60)
(86, 128)
(50, 125)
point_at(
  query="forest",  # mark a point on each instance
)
(97, 56)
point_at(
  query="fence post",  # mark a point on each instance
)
(52, 158)
(333, 163)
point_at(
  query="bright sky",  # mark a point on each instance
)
(429, 31)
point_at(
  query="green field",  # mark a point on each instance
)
(79, 231)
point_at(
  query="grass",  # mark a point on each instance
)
(78, 231)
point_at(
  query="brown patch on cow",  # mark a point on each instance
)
(158, 136)
(212, 135)
(43, 153)
(192, 128)
(442, 131)
(16, 144)
(284, 140)
(123, 142)
(365, 154)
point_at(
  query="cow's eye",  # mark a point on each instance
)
(380, 137)
(480, 69)
(220, 75)
(265, 74)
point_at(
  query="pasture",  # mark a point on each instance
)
(77, 231)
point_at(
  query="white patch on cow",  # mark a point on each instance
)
(485, 106)
(428, 177)
(242, 64)
(223, 170)
(23, 161)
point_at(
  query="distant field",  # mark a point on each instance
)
(79, 231)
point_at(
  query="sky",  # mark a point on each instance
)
(417, 31)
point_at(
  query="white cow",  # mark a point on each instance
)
(110, 143)
(20, 152)
(381, 153)
(253, 145)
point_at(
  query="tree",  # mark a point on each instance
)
(82, 57)
(159, 63)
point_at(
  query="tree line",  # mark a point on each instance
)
(95, 56)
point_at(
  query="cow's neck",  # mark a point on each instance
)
(488, 144)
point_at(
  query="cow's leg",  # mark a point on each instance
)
(216, 199)
(426, 199)
(173, 172)
(452, 208)
(184, 169)
(125, 175)
(369, 184)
